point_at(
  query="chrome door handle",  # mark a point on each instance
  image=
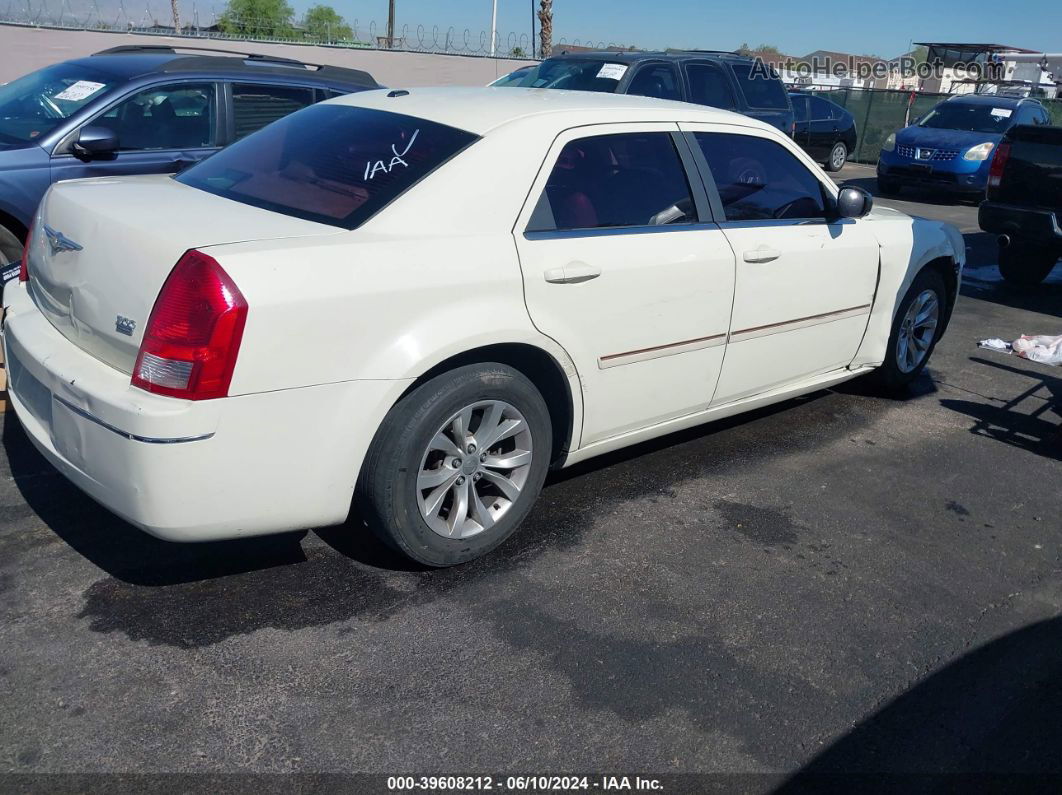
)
(761, 254)
(572, 273)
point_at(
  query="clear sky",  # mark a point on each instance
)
(795, 28)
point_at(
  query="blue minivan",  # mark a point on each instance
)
(951, 147)
(139, 110)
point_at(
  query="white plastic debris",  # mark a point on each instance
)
(1042, 349)
(996, 344)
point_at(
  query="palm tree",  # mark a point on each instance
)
(545, 33)
(176, 17)
(391, 24)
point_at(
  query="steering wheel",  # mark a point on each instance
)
(747, 171)
(782, 211)
(679, 211)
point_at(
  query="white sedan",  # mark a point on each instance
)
(422, 300)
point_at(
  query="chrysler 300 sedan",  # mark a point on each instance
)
(419, 301)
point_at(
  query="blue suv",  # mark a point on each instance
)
(951, 147)
(725, 80)
(139, 110)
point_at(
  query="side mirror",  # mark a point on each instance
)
(853, 202)
(94, 141)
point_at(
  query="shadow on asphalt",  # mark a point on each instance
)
(117, 547)
(135, 558)
(987, 722)
(983, 282)
(922, 386)
(1028, 420)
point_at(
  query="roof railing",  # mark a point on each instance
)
(255, 57)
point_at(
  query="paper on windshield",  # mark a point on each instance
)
(612, 71)
(79, 90)
(1002, 113)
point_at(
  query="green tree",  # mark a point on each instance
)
(323, 23)
(517, 52)
(269, 19)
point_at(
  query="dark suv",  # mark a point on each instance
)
(139, 110)
(720, 79)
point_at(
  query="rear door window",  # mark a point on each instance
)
(621, 180)
(254, 105)
(658, 80)
(821, 110)
(760, 180)
(709, 85)
(333, 164)
(760, 90)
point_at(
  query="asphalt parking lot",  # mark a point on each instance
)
(842, 582)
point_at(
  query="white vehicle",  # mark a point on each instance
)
(423, 300)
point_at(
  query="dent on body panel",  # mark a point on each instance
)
(900, 243)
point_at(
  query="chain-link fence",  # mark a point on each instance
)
(155, 17)
(212, 22)
(879, 113)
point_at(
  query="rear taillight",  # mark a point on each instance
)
(193, 335)
(999, 162)
(23, 271)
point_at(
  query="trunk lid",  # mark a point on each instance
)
(102, 248)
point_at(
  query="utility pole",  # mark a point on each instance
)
(391, 24)
(493, 26)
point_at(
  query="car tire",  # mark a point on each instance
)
(1026, 265)
(838, 157)
(905, 362)
(888, 187)
(415, 458)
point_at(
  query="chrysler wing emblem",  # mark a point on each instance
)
(59, 242)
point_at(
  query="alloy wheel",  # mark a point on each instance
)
(474, 469)
(837, 157)
(917, 331)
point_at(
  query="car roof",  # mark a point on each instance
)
(986, 99)
(128, 62)
(480, 110)
(632, 57)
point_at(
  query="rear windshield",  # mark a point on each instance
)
(333, 164)
(761, 91)
(575, 74)
(969, 117)
(36, 104)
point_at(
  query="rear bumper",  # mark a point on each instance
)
(1025, 223)
(182, 470)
